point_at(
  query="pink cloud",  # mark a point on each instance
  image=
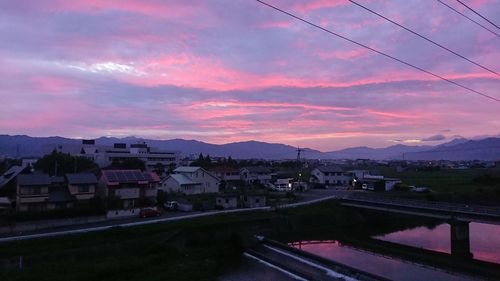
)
(274, 24)
(344, 55)
(308, 6)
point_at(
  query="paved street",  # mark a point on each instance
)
(309, 197)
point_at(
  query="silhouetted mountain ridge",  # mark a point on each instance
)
(457, 149)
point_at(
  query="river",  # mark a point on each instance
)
(484, 239)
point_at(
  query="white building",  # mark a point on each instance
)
(330, 175)
(190, 180)
(261, 175)
(104, 155)
(283, 184)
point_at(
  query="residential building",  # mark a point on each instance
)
(133, 188)
(330, 175)
(40, 192)
(254, 199)
(378, 183)
(190, 180)
(241, 199)
(32, 192)
(226, 173)
(227, 201)
(262, 175)
(82, 186)
(283, 184)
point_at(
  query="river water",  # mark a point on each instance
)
(484, 242)
(484, 239)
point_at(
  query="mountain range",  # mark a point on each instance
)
(458, 149)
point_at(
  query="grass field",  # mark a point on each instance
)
(481, 185)
(139, 253)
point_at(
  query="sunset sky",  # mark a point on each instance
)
(234, 70)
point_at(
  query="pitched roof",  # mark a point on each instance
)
(152, 176)
(183, 180)
(34, 179)
(329, 169)
(10, 174)
(56, 179)
(114, 177)
(81, 178)
(186, 169)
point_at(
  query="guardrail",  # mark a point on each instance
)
(432, 206)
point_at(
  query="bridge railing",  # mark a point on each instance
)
(440, 206)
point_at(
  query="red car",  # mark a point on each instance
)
(149, 212)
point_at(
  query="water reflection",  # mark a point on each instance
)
(484, 239)
(374, 263)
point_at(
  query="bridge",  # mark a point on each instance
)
(457, 215)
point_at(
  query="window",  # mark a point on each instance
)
(227, 200)
(83, 189)
(257, 200)
(32, 190)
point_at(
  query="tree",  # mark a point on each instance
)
(131, 163)
(204, 162)
(159, 169)
(58, 163)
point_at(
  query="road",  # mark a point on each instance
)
(310, 197)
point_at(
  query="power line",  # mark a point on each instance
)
(378, 52)
(423, 37)
(465, 16)
(465, 5)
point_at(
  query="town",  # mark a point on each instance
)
(136, 180)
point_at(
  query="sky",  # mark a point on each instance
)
(223, 71)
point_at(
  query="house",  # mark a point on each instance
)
(248, 199)
(82, 186)
(40, 192)
(32, 192)
(227, 201)
(262, 175)
(59, 196)
(226, 173)
(190, 180)
(133, 188)
(283, 184)
(254, 199)
(378, 183)
(330, 175)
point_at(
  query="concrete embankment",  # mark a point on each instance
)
(305, 265)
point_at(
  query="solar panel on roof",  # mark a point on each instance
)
(129, 176)
(140, 176)
(121, 177)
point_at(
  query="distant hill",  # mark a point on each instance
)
(398, 151)
(486, 149)
(458, 149)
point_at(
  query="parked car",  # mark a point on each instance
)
(149, 212)
(171, 205)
